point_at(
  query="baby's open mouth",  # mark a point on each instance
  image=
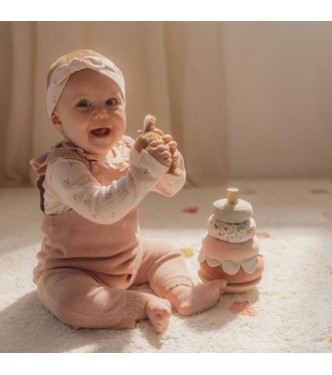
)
(101, 132)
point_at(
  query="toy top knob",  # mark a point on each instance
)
(232, 195)
(232, 209)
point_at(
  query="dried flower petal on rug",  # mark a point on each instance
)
(190, 210)
(320, 191)
(243, 308)
(187, 252)
(262, 235)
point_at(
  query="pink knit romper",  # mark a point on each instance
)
(86, 269)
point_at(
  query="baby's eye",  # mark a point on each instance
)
(84, 103)
(111, 102)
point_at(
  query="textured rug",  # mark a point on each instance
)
(289, 311)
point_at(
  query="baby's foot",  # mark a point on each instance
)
(188, 300)
(158, 310)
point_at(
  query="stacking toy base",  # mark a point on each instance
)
(240, 282)
(233, 288)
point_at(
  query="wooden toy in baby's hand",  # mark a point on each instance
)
(151, 133)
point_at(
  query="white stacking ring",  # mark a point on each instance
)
(231, 232)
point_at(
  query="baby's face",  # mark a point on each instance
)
(91, 112)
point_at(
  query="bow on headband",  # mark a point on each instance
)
(61, 75)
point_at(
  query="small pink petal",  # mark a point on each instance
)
(243, 308)
(190, 210)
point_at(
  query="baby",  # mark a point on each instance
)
(90, 185)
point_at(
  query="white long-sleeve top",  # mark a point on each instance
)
(69, 184)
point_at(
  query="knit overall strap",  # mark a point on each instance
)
(39, 165)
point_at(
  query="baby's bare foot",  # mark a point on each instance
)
(158, 310)
(192, 300)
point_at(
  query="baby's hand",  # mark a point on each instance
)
(173, 146)
(168, 140)
(160, 151)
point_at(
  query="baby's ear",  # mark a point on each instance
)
(56, 122)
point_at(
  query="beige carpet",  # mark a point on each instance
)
(291, 310)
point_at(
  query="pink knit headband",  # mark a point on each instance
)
(61, 75)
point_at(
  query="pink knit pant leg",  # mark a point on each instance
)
(163, 267)
(82, 301)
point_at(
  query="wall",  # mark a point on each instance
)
(5, 79)
(278, 92)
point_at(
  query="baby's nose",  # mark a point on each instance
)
(101, 115)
